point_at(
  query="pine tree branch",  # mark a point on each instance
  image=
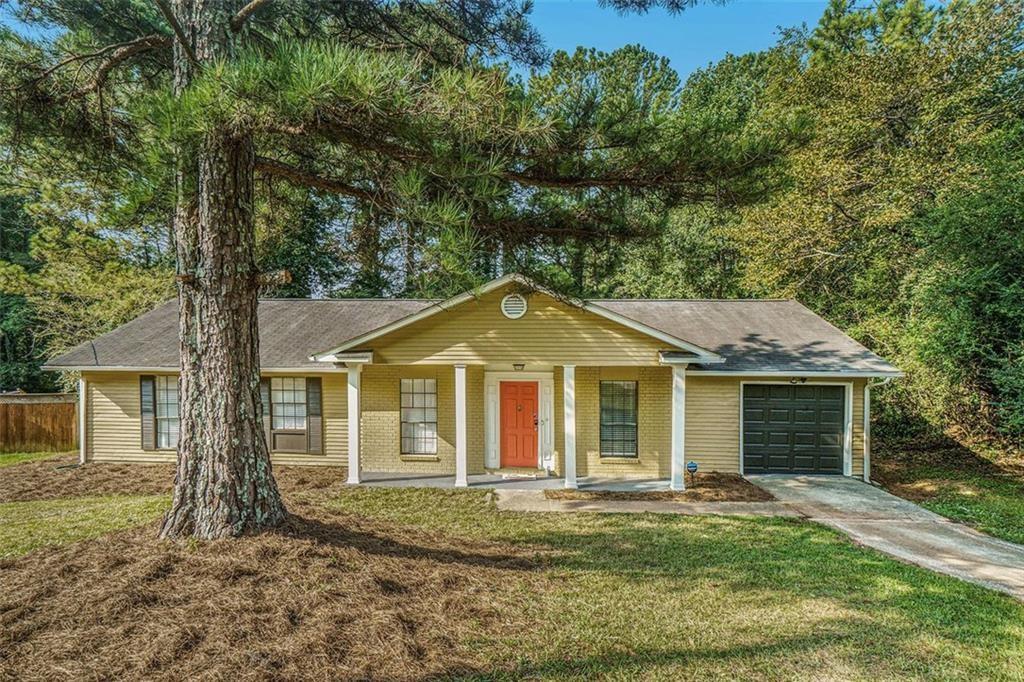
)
(122, 53)
(238, 21)
(178, 32)
(298, 176)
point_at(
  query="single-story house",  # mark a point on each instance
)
(512, 377)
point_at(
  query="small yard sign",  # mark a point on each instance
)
(691, 466)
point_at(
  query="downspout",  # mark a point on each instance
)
(867, 424)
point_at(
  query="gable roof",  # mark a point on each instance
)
(697, 352)
(718, 336)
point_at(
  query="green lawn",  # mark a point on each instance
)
(626, 596)
(25, 526)
(991, 505)
(9, 458)
(668, 597)
(980, 487)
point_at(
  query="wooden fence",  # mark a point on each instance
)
(28, 425)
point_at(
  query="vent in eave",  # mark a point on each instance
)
(513, 306)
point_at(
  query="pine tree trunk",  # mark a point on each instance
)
(224, 486)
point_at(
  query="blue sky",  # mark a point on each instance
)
(691, 39)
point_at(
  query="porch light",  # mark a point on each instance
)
(798, 380)
(518, 366)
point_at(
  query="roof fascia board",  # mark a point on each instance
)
(126, 368)
(804, 373)
(704, 355)
(358, 358)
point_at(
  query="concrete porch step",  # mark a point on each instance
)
(514, 473)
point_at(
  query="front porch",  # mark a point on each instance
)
(499, 482)
(559, 420)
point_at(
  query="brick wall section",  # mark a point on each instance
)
(654, 422)
(476, 439)
(380, 447)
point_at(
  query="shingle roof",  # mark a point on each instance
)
(290, 331)
(761, 336)
(753, 335)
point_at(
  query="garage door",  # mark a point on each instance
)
(793, 428)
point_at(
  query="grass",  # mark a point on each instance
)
(378, 583)
(25, 526)
(975, 485)
(10, 458)
(701, 597)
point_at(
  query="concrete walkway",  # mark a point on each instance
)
(873, 517)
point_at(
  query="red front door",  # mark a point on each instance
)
(519, 424)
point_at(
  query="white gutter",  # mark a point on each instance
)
(806, 373)
(306, 369)
(82, 413)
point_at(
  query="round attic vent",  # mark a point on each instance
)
(513, 306)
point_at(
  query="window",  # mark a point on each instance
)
(166, 412)
(288, 403)
(419, 416)
(618, 418)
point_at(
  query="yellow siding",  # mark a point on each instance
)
(113, 432)
(551, 333)
(713, 422)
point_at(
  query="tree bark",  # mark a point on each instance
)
(224, 486)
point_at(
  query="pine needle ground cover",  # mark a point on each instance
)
(413, 584)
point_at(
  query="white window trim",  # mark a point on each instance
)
(156, 411)
(600, 424)
(401, 422)
(305, 403)
(847, 419)
(492, 416)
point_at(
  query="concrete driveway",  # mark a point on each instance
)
(873, 517)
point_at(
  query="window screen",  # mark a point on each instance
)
(419, 416)
(167, 412)
(288, 403)
(618, 418)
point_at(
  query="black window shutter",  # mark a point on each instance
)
(265, 401)
(147, 413)
(314, 416)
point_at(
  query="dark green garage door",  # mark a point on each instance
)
(793, 428)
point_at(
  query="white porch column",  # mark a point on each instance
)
(82, 407)
(569, 407)
(460, 426)
(678, 426)
(354, 413)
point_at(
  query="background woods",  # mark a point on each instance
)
(870, 166)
